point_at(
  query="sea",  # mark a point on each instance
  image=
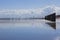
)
(28, 30)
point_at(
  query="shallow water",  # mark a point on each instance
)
(29, 30)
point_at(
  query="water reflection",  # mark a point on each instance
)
(27, 30)
(53, 25)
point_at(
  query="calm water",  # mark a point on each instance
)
(29, 30)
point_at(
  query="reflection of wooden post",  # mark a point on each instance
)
(53, 25)
(51, 17)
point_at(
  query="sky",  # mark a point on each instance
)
(38, 7)
(27, 4)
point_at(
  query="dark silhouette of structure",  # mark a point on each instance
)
(51, 17)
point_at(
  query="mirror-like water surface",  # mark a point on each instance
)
(29, 30)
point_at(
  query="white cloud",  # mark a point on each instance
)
(57, 10)
(20, 11)
(39, 12)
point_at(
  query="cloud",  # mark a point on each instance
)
(39, 12)
(57, 10)
(23, 13)
(20, 11)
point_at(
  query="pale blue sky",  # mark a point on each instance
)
(23, 4)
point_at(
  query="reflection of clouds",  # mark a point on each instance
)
(57, 38)
(58, 23)
(27, 23)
